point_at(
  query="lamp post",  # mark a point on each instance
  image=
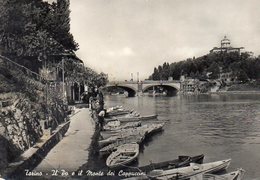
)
(63, 81)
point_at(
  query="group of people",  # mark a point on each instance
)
(95, 99)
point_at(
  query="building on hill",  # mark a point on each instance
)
(225, 46)
(193, 85)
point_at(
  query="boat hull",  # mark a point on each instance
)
(125, 154)
(235, 175)
(190, 171)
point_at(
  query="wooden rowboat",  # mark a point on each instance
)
(112, 124)
(235, 175)
(124, 154)
(112, 147)
(182, 161)
(119, 125)
(118, 113)
(121, 136)
(148, 117)
(146, 129)
(139, 118)
(190, 171)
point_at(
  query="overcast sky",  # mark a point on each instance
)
(120, 37)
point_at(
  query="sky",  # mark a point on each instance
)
(120, 37)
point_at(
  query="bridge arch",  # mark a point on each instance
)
(171, 89)
(131, 90)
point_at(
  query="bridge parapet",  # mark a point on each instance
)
(122, 82)
(144, 82)
(161, 81)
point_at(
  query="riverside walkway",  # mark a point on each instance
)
(72, 151)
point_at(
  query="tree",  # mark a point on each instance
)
(242, 76)
(59, 25)
(155, 74)
(34, 29)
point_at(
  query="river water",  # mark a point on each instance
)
(219, 126)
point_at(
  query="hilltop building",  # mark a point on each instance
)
(225, 46)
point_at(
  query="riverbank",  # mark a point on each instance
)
(93, 163)
(236, 92)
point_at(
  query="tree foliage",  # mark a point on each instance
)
(35, 28)
(242, 65)
(77, 72)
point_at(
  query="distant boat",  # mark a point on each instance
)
(155, 93)
(235, 175)
(124, 154)
(190, 171)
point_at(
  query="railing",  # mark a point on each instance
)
(11, 64)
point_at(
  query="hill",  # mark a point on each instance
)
(243, 67)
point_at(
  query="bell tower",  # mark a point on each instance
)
(225, 43)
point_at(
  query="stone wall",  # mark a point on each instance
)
(23, 122)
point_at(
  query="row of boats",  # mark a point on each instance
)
(194, 171)
(122, 135)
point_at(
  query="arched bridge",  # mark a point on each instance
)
(133, 87)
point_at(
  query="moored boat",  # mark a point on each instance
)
(112, 124)
(148, 117)
(155, 127)
(190, 171)
(138, 118)
(118, 112)
(146, 129)
(124, 154)
(182, 161)
(121, 136)
(235, 175)
(119, 126)
(113, 146)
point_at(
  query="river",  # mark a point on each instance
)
(219, 126)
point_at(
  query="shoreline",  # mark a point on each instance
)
(92, 150)
(222, 93)
(238, 92)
